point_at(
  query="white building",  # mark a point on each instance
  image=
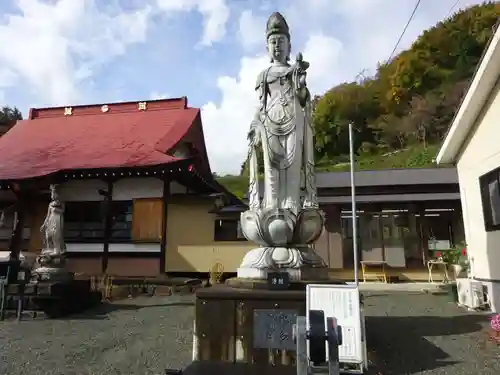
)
(473, 145)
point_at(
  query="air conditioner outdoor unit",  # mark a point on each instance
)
(470, 293)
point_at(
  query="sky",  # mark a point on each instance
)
(69, 52)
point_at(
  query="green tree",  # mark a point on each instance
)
(9, 115)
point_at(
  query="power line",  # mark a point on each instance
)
(452, 8)
(404, 30)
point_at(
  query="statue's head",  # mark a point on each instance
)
(278, 38)
(54, 195)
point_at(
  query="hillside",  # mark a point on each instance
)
(402, 113)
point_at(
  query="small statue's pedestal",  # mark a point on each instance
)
(51, 274)
(50, 266)
(56, 292)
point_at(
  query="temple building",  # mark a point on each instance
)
(404, 217)
(141, 200)
(134, 177)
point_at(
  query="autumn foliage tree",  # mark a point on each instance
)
(410, 99)
(408, 103)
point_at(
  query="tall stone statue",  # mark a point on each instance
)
(50, 263)
(285, 220)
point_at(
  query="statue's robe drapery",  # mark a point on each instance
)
(284, 127)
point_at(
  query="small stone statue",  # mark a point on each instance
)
(287, 220)
(53, 227)
(50, 263)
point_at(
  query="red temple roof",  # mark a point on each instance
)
(96, 136)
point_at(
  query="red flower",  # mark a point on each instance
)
(438, 254)
(464, 251)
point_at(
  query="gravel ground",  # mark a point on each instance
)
(426, 334)
(140, 336)
(407, 334)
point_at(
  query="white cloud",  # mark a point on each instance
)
(342, 39)
(7, 77)
(323, 52)
(52, 46)
(225, 125)
(251, 30)
(215, 16)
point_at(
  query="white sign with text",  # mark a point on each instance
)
(341, 302)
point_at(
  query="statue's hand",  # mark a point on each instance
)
(253, 136)
(302, 65)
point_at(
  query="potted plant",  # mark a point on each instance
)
(456, 258)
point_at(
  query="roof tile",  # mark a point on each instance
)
(114, 139)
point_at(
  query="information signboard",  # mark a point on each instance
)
(341, 302)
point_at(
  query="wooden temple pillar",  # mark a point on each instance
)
(108, 223)
(26, 200)
(163, 240)
(17, 229)
(424, 233)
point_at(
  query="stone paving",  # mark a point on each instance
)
(407, 334)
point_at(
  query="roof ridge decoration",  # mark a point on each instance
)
(106, 108)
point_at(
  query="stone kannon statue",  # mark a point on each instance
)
(52, 228)
(50, 263)
(285, 221)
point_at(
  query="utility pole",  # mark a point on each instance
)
(353, 204)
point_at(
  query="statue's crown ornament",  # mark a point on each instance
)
(276, 24)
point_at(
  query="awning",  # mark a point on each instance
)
(40, 147)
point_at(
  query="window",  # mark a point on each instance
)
(228, 230)
(490, 196)
(85, 221)
(121, 221)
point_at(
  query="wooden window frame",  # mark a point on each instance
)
(80, 206)
(484, 182)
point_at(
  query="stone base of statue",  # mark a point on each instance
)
(285, 240)
(301, 263)
(58, 292)
(295, 274)
(50, 266)
(232, 338)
